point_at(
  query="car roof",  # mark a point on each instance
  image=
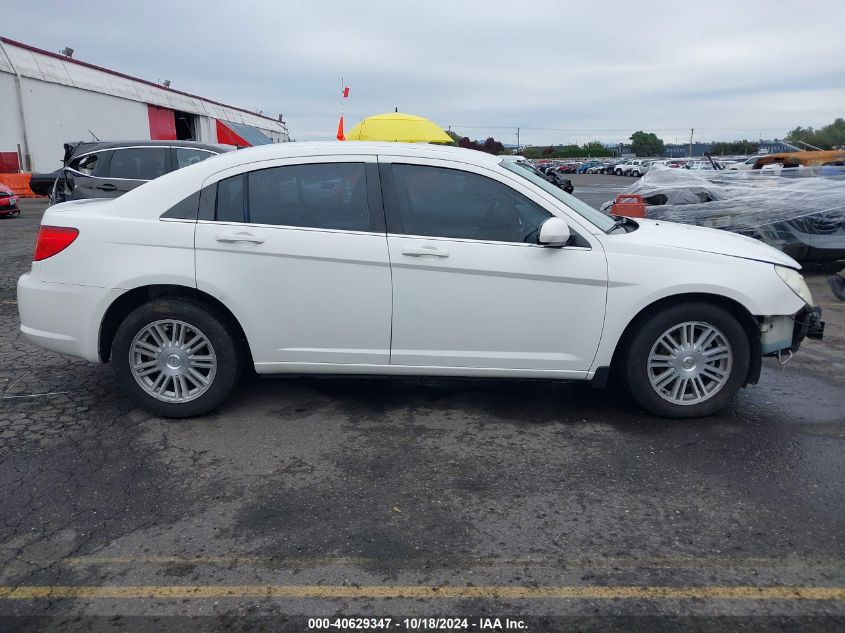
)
(340, 148)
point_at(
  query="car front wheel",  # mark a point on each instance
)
(176, 358)
(687, 361)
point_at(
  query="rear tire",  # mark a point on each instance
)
(176, 358)
(698, 372)
(618, 172)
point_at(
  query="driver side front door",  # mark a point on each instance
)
(472, 289)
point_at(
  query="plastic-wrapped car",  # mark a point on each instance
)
(802, 216)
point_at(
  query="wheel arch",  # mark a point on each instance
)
(128, 301)
(748, 322)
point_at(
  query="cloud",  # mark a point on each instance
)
(561, 71)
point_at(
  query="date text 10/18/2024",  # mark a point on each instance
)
(425, 624)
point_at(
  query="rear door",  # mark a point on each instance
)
(298, 251)
(82, 175)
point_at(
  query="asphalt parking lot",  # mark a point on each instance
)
(553, 503)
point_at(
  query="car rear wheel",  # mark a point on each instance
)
(687, 361)
(635, 174)
(618, 172)
(176, 358)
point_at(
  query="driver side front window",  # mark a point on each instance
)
(442, 202)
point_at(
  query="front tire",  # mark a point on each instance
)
(687, 361)
(176, 358)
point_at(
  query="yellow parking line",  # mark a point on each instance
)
(413, 592)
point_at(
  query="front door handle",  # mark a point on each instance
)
(424, 250)
(107, 187)
(231, 238)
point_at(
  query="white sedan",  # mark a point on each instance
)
(365, 258)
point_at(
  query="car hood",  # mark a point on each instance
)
(705, 240)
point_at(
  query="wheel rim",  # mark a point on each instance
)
(690, 362)
(173, 361)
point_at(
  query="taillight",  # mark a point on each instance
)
(52, 240)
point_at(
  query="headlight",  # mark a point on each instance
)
(796, 283)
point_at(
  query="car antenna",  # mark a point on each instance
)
(94, 135)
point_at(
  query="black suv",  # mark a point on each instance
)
(110, 169)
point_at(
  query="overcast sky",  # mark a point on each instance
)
(580, 70)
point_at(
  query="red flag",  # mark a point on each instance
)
(340, 136)
(345, 92)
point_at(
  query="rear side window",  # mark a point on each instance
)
(95, 164)
(321, 195)
(324, 195)
(188, 156)
(230, 200)
(139, 163)
(442, 202)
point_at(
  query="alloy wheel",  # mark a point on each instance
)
(172, 361)
(690, 362)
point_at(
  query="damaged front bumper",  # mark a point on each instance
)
(808, 324)
(784, 334)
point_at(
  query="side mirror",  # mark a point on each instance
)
(554, 232)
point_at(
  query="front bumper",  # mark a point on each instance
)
(782, 334)
(808, 324)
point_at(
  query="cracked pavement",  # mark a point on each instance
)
(391, 483)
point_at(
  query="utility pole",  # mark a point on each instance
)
(690, 141)
(517, 140)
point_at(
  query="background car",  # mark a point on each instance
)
(556, 178)
(549, 173)
(744, 165)
(41, 183)
(802, 216)
(635, 167)
(110, 169)
(8, 201)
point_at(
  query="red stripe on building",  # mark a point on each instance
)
(228, 136)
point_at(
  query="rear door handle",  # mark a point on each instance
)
(107, 187)
(231, 238)
(424, 250)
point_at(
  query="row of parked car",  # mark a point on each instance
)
(635, 167)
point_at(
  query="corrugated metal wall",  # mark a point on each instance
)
(69, 101)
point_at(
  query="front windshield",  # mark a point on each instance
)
(524, 169)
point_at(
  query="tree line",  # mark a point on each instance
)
(646, 144)
(830, 136)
